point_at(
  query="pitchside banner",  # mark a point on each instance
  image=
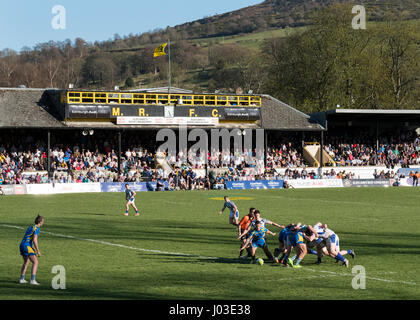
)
(13, 189)
(135, 186)
(54, 188)
(408, 182)
(367, 183)
(316, 183)
(259, 184)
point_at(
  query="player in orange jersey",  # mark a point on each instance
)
(242, 226)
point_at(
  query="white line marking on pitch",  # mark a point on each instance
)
(352, 275)
(192, 255)
(115, 244)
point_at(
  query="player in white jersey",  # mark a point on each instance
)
(265, 221)
(331, 243)
(317, 244)
(234, 212)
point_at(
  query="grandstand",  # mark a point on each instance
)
(114, 133)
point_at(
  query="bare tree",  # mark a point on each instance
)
(8, 64)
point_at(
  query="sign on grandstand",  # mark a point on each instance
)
(81, 111)
(167, 121)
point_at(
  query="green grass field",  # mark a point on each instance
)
(180, 248)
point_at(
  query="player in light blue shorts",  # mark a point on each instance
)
(234, 212)
(257, 239)
(263, 222)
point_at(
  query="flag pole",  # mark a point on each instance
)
(169, 71)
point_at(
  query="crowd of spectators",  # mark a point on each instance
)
(24, 160)
(285, 156)
(79, 165)
(282, 156)
(363, 150)
(216, 158)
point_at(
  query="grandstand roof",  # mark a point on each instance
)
(277, 115)
(33, 108)
(372, 111)
(367, 117)
(26, 108)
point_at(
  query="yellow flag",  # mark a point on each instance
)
(160, 51)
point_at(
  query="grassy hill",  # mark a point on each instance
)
(269, 15)
(248, 27)
(274, 14)
(198, 79)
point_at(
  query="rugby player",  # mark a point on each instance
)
(263, 221)
(295, 237)
(282, 246)
(234, 212)
(243, 225)
(266, 221)
(332, 243)
(129, 196)
(257, 240)
(29, 248)
(298, 237)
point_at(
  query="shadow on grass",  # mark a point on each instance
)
(45, 291)
(189, 259)
(85, 228)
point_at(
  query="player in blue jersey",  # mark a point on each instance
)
(263, 222)
(301, 237)
(257, 240)
(234, 212)
(296, 239)
(29, 248)
(129, 196)
(282, 243)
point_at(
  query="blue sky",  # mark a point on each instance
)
(28, 22)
